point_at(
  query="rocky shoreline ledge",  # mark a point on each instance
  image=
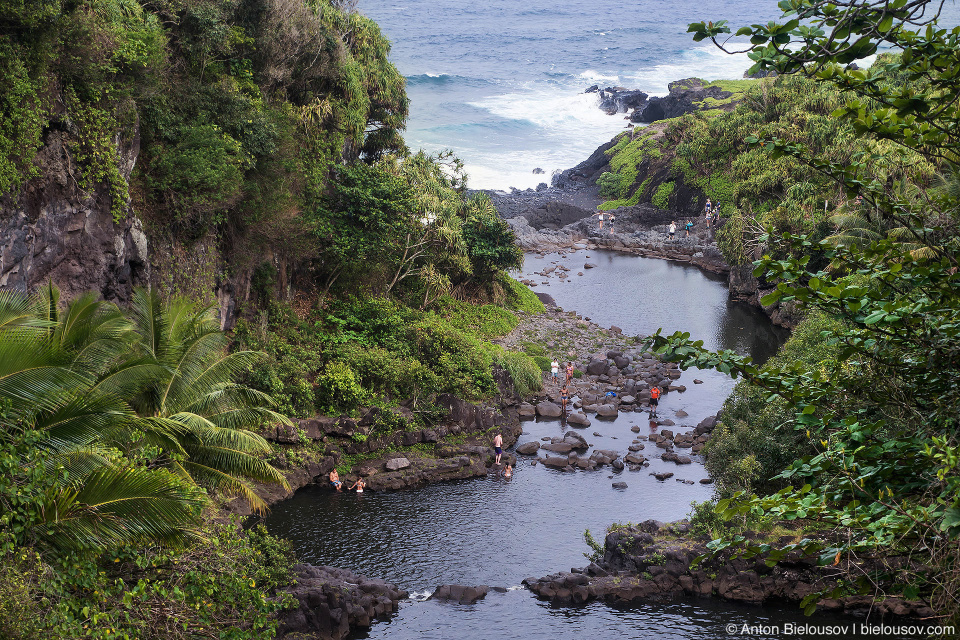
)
(331, 603)
(653, 562)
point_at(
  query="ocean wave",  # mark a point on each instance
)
(595, 77)
(546, 107)
(445, 79)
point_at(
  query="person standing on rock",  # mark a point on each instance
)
(564, 397)
(498, 446)
(601, 215)
(654, 400)
(673, 228)
(554, 369)
(708, 212)
(569, 372)
(688, 226)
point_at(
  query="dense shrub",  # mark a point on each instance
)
(374, 350)
(337, 389)
(227, 580)
(756, 438)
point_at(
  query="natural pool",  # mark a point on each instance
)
(496, 532)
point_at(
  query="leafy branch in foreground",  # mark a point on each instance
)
(883, 478)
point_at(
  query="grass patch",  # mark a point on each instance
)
(521, 298)
(524, 371)
(486, 321)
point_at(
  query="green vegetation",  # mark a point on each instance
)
(707, 152)
(376, 351)
(865, 399)
(597, 547)
(524, 371)
(114, 427)
(756, 440)
(662, 196)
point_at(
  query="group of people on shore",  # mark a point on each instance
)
(565, 393)
(710, 215)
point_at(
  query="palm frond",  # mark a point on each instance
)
(121, 505)
(229, 484)
(79, 462)
(18, 313)
(41, 388)
(83, 420)
(216, 370)
(205, 432)
(235, 463)
(247, 418)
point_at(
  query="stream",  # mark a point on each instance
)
(497, 531)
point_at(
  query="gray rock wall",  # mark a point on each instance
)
(54, 230)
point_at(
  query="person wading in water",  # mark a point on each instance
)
(654, 401)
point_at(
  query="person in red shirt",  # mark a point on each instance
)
(654, 400)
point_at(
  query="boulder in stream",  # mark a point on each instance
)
(459, 593)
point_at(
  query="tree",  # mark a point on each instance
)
(109, 427)
(60, 488)
(491, 243)
(181, 385)
(884, 418)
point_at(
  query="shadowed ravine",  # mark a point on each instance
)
(497, 532)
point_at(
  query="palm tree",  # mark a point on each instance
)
(128, 417)
(180, 382)
(70, 492)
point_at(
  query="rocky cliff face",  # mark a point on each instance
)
(55, 230)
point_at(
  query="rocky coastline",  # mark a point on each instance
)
(689, 94)
(654, 562)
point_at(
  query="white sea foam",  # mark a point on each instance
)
(707, 62)
(595, 77)
(569, 126)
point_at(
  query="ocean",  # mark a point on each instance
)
(501, 82)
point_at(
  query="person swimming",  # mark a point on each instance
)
(508, 471)
(358, 485)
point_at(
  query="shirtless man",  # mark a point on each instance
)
(498, 446)
(335, 480)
